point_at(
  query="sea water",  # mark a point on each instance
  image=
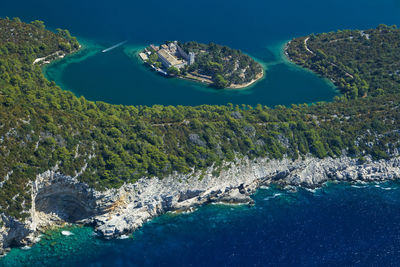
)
(258, 28)
(337, 225)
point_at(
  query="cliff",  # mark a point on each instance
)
(57, 198)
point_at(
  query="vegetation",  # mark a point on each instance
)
(44, 127)
(153, 60)
(220, 82)
(360, 63)
(225, 65)
(219, 65)
(173, 71)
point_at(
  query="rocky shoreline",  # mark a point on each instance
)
(57, 198)
(54, 56)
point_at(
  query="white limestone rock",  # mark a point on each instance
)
(57, 198)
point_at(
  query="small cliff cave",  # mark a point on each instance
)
(69, 202)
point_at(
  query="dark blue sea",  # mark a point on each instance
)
(337, 225)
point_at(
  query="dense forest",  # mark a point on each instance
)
(360, 63)
(225, 65)
(43, 127)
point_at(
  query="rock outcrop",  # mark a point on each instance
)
(58, 198)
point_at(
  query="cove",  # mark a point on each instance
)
(258, 28)
(119, 77)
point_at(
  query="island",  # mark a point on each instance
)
(216, 65)
(67, 160)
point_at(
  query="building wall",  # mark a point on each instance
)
(191, 58)
(182, 53)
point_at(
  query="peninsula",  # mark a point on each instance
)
(216, 65)
(69, 160)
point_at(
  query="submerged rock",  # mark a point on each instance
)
(66, 233)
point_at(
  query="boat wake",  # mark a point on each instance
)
(114, 46)
(359, 186)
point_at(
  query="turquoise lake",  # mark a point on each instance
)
(340, 224)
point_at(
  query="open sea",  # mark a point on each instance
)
(340, 224)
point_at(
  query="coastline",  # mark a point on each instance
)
(201, 80)
(117, 212)
(243, 86)
(234, 186)
(273, 201)
(87, 49)
(286, 58)
(54, 57)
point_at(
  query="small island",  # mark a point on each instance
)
(216, 65)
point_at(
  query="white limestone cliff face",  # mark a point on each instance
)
(151, 197)
(58, 198)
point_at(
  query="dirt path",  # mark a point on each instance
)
(185, 122)
(333, 64)
(306, 46)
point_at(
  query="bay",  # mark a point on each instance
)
(258, 28)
